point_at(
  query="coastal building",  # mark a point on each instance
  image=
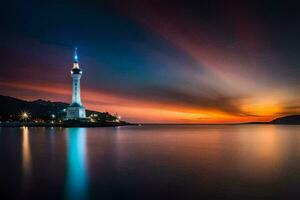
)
(76, 110)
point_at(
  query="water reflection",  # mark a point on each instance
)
(26, 159)
(76, 184)
(26, 155)
(260, 152)
(169, 162)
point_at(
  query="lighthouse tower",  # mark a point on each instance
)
(76, 110)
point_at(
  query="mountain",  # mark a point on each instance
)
(292, 119)
(11, 109)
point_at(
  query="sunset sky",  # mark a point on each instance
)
(157, 61)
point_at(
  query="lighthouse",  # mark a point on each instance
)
(76, 110)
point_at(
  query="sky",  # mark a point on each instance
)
(157, 61)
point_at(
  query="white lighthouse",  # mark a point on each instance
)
(76, 110)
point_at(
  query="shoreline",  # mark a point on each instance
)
(64, 124)
(116, 124)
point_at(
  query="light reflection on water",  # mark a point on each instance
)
(26, 155)
(261, 155)
(26, 159)
(76, 183)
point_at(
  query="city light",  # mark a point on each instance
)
(118, 118)
(24, 116)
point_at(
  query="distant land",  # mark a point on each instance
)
(292, 119)
(47, 113)
(288, 120)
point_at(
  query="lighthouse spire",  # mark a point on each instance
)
(75, 64)
(75, 55)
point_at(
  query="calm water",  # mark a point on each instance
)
(151, 162)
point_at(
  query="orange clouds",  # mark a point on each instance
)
(130, 109)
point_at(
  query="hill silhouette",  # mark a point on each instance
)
(11, 108)
(292, 119)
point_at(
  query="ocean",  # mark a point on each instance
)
(151, 162)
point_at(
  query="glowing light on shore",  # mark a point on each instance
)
(24, 116)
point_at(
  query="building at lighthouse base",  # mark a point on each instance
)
(76, 111)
